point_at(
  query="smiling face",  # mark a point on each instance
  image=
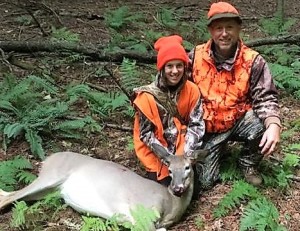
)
(225, 33)
(174, 71)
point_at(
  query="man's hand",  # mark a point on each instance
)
(270, 139)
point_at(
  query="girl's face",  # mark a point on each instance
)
(174, 70)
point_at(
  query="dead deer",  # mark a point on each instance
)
(104, 188)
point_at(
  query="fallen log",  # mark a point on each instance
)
(96, 53)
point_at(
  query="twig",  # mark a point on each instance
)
(35, 20)
(96, 87)
(6, 62)
(119, 127)
(117, 82)
(53, 12)
(295, 178)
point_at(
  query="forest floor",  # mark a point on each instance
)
(86, 18)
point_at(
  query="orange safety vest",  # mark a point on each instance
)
(145, 102)
(225, 93)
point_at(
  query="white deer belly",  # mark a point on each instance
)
(84, 195)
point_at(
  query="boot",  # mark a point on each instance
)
(252, 176)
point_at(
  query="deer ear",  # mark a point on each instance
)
(161, 152)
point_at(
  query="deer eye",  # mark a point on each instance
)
(187, 168)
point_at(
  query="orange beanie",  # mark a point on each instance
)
(170, 48)
(222, 10)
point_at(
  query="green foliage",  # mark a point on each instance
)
(32, 108)
(93, 224)
(18, 215)
(286, 78)
(166, 18)
(279, 175)
(130, 77)
(27, 217)
(276, 25)
(229, 170)
(199, 223)
(261, 214)
(24, 20)
(144, 219)
(14, 171)
(64, 35)
(121, 17)
(105, 104)
(129, 42)
(240, 191)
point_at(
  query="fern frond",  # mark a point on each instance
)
(291, 160)
(63, 34)
(144, 217)
(121, 17)
(25, 177)
(42, 84)
(93, 224)
(166, 18)
(18, 214)
(35, 142)
(9, 171)
(129, 75)
(260, 214)
(239, 192)
(13, 130)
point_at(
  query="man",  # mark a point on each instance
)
(240, 100)
(168, 111)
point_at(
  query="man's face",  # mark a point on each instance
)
(225, 33)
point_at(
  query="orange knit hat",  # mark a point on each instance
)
(222, 10)
(170, 48)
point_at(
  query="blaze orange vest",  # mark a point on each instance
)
(225, 93)
(145, 102)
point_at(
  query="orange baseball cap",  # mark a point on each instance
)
(222, 10)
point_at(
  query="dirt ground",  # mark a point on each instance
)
(86, 18)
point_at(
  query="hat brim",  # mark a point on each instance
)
(224, 15)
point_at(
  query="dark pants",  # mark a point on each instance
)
(249, 130)
(153, 176)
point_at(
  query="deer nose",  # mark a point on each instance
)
(178, 190)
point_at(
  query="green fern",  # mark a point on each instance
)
(14, 171)
(276, 25)
(240, 191)
(35, 141)
(63, 34)
(285, 78)
(261, 214)
(30, 217)
(279, 175)
(166, 18)
(93, 224)
(129, 75)
(19, 215)
(74, 128)
(105, 104)
(121, 17)
(144, 218)
(229, 170)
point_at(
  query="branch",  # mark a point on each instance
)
(290, 39)
(94, 53)
(98, 54)
(118, 127)
(117, 82)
